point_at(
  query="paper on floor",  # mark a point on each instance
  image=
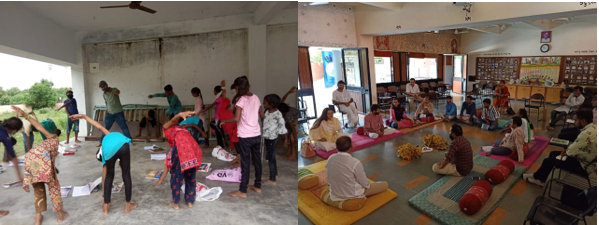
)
(158, 156)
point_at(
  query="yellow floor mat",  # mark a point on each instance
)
(320, 213)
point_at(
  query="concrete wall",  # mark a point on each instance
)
(331, 25)
(281, 60)
(32, 34)
(144, 67)
(566, 40)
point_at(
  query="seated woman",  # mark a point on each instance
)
(399, 119)
(424, 110)
(526, 126)
(513, 144)
(502, 94)
(326, 130)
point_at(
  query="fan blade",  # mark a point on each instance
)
(115, 6)
(146, 9)
(135, 2)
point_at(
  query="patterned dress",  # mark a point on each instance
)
(40, 168)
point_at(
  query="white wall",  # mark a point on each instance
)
(566, 39)
(331, 25)
(31, 33)
(144, 67)
(281, 60)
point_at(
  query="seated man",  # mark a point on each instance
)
(413, 93)
(425, 109)
(573, 102)
(570, 134)
(326, 130)
(490, 116)
(346, 176)
(373, 123)
(458, 160)
(451, 110)
(346, 104)
(576, 157)
(470, 107)
(514, 142)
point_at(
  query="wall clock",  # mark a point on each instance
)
(545, 48)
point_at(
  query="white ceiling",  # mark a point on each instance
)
(86, 16)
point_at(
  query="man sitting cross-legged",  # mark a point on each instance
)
(373, 124)
(458, 160)
(348, 183)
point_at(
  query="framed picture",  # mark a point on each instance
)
(546, 37)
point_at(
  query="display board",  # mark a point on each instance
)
(580, 70)
(497, 68)
(540, 69)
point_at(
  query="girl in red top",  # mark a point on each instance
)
(226, 113)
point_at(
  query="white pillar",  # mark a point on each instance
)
(257, 59)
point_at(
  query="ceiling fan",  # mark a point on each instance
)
(132, 5)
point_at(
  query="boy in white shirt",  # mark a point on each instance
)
(346, 103)
(273, 126)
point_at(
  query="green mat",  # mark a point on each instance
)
(449, 213)
(502, 123)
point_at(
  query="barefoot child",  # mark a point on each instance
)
(71, 109)
(10, 127)
(40, 171)
(114, 146)
(230, 128)
(148, 120)
(198, 106)
(174, 105)
(182, 161)
(219, 91)
(247, 113)
(193, 125)
(291, 115)
(273, 126)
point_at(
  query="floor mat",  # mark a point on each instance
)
(502, 123)
(412, 129)
(440, 200)
(320, 213)
(535, 148)
(359, 142)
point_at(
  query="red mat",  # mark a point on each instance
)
(359, 142)
(535, 148)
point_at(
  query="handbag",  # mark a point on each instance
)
(307, 150)
(509, 110)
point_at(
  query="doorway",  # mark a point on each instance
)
(460, 73)
(357, 77)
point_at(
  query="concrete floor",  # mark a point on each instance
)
(382, 164)
(275, 205)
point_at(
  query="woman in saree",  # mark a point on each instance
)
(326, 130)
(40, 171)
(502, 95)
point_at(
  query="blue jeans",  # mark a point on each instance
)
(119, 118)
(271, 157)
(492, 126)
(72, 125)
(31, 137)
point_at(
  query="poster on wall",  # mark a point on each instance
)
(329, 69)
(540, 69)
(546, 37)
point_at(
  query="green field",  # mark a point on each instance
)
(59, 118)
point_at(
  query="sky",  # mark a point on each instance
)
(23, 73)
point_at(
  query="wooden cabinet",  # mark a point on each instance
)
(523, 92)
(513, 90)
(537, 89)
(553, 95)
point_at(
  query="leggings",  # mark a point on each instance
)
(219, 132)
(177, 178)
(125, 162)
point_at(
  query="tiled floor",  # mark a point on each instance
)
(407, 178)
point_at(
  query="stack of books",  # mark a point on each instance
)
(153, 148)
(155, 174)
(64, 191)
(158, 157)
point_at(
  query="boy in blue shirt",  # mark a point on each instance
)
(451, 110)
(470, 107)
(71, 108)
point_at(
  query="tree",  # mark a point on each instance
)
(41, 95)
(18, 99)
(13, 91)
(5, 100)
(61, 92)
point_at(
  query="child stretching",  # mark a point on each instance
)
(182, 161)
(247, 113)
(291, 116)
(148, 120)
(230, 128)
(174, 105)
(8, 128)
(40, 171)
(219, 91)
(115, 146)
(193, 125)
(273, 126)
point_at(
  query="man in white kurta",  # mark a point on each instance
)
(346, 104)
(413, 93)
(573, 102)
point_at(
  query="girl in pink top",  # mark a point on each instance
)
(219, 91)
(247, 114)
